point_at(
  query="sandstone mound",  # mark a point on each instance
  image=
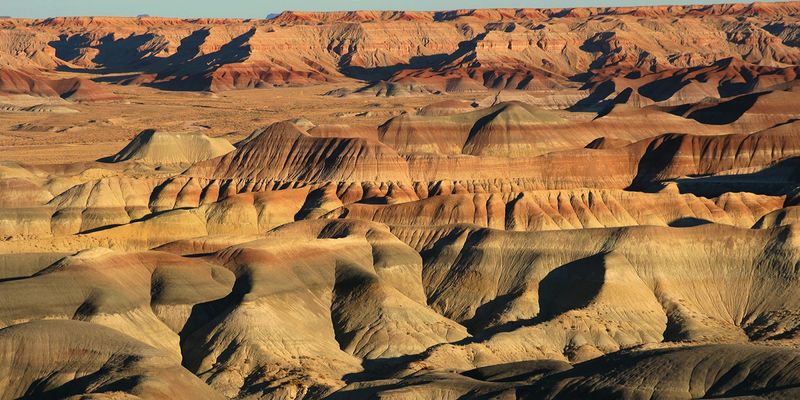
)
(163, 148)
(669, 155)
(22, 210)
(343, 174)
(388, 89)
(516, 129)
(503, 130)
(114, 289)
(284, 153)
(569, 209)
(436, 384)
(745, 160)
(461, 254)
(546, 99)
(82, 90)
(14, 82)
(352, 284)
(38, 360)
(46, 108)
(17, 82)
(727, 370)
(447, 107)
(299, 309)
(507, 129)
(755, 111)
(737, 371)
(100, 203)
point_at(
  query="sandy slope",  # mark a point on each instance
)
(500, 203)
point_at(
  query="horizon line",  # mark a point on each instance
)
(272, 15)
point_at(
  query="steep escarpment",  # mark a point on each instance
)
(453, 51)
(722, 78)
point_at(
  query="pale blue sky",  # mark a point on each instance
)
(260, 8)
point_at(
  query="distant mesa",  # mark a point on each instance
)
(602, 49)
(728, 77)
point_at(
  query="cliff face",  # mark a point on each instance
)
(496, 48)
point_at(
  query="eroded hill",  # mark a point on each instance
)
(500, 203)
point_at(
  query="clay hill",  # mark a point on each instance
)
(18, 83)
(592, 203)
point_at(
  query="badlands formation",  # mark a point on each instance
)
(493, 203)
